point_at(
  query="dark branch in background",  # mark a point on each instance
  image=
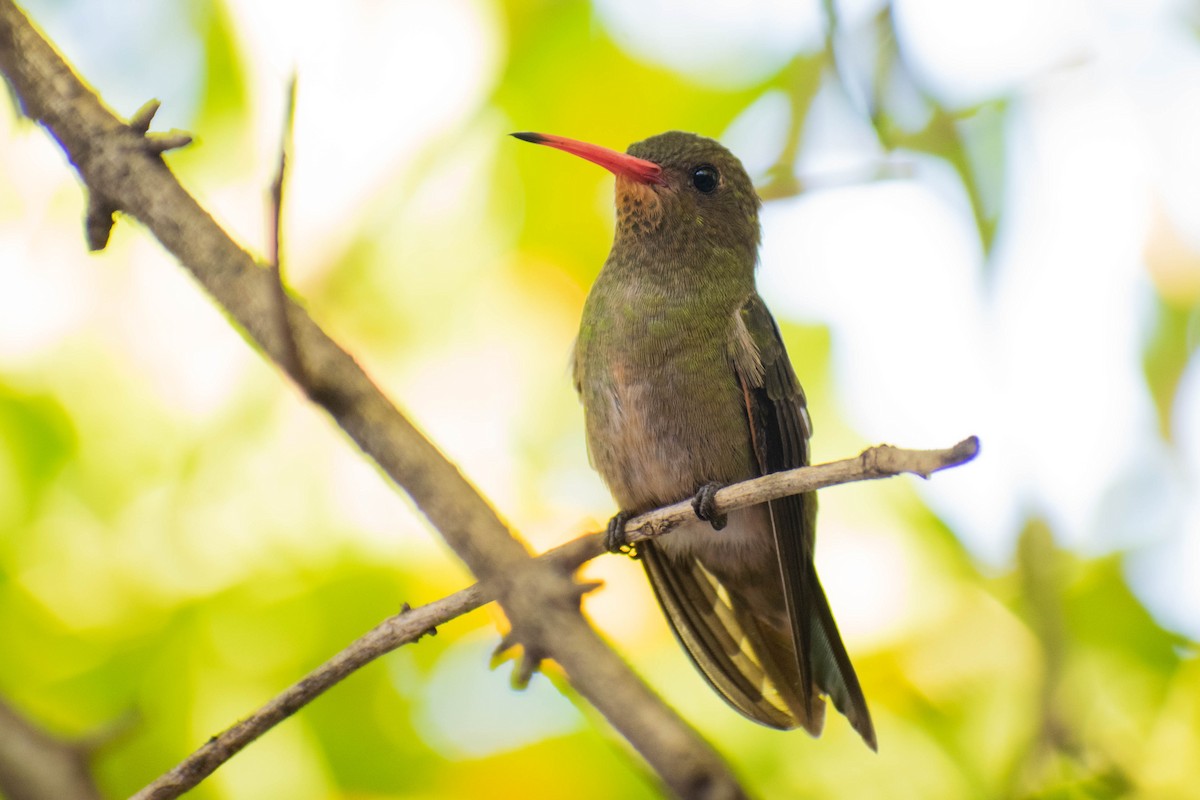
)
(36, 766)
(411, 624)
(119, 163)
(542, 605)
(292, 364)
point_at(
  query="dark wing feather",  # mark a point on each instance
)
(714, 636)
(780, 426)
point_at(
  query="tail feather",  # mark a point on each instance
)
(832, 671)
(747, 656)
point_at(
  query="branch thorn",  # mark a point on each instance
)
(159, 143)
(98, 220)
(141, 119)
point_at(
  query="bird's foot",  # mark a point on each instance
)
(615, 540)
(705, 505)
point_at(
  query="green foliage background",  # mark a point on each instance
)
(181, 535)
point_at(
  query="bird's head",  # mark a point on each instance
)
(677, 193)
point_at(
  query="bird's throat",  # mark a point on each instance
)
(639, 208)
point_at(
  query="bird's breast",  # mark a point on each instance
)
(664, 413)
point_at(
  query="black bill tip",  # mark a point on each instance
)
(525, 136)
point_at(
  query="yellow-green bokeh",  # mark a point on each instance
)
(182, 535)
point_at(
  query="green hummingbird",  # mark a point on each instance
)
(686, 387)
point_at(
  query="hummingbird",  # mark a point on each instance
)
(686, 387)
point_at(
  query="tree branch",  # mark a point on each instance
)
(881, 461)
(411, 624)
(118, 163)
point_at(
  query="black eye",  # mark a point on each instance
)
(705, 178)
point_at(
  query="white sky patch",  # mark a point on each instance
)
(1164, 81)
(1070, 298)
(153, 296)
(894, 270)
(724, 42)
(377, 82)
(840, 146)
(131, 50)
(41, 296)
(1164, 573)
(972, 50)
(871, 581)
(759, 133)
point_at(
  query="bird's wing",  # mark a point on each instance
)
(780, 429)
(725, 651)
(769, 672)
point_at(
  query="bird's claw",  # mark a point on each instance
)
(705, 505)
(615, 540)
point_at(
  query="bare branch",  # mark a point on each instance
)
(881, 461)
(411, 624)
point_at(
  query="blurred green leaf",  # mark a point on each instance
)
(1167, 355)
(38, 438)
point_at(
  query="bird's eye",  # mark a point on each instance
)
(705, 178)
